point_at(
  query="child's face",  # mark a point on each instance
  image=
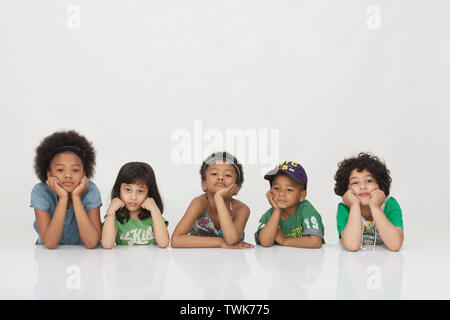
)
(218, 175)
(362, 184)
(67, 167)
(133, 195)
(287, 192)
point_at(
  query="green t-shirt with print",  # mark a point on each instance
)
(136, 232)
(303, 222)
(391, 209)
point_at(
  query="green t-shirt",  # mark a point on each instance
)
(136, 232)
(303, 222)
(391, 209)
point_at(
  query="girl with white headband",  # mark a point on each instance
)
(215, 219)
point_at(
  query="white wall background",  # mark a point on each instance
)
(334, 77)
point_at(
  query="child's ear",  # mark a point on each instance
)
(238, 187)
(204, 186)
(48, 174)
(302, 195)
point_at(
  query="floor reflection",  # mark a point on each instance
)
(149, 272)
(213, 273)
(293, 270)
(371, 273)
(68, 273)
(73, 272)
(134, 272)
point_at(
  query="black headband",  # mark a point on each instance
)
(75, 149)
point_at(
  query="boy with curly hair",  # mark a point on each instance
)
(367, 216)
(66, 203)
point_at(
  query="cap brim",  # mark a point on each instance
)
(269, 175)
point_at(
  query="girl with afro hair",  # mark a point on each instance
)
(367, 215)
(66, 203)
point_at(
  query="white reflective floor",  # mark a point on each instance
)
(143, 272)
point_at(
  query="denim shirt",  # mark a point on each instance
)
(43, 198)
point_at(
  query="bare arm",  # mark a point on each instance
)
(351, 236)
(51, 228)
(309, 241)
(109, 232)
(267, 234)
(391, 235)
(159, 226)
(188, 241)
(89, 224)
(181, 238)
(232, 229)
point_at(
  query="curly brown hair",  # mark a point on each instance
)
(63, 141)
(363, 161)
